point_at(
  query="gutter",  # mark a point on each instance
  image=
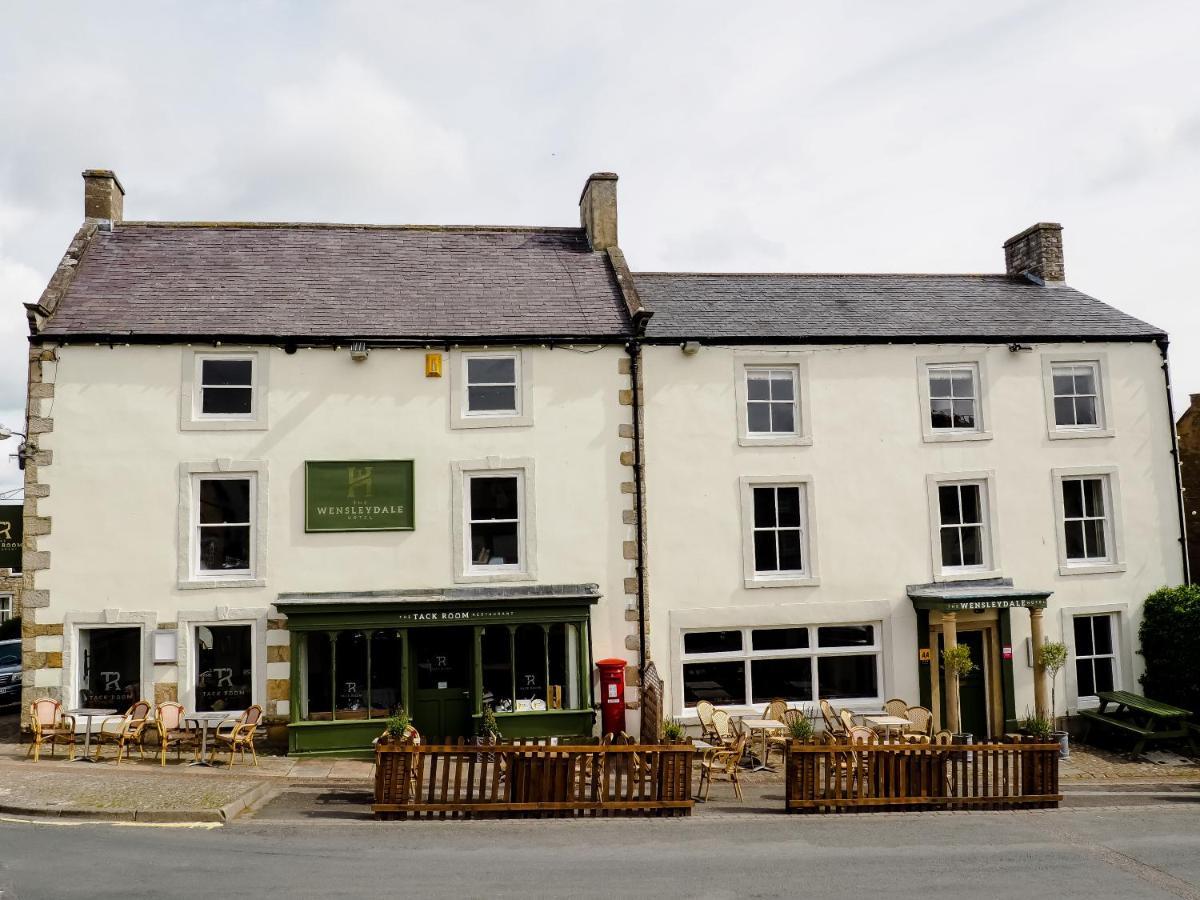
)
(1183, 547)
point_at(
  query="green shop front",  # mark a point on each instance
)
(356, 658)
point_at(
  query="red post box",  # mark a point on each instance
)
(612, 695)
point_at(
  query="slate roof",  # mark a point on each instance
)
(876, 307)
(332, 281)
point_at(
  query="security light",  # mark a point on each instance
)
(5, 433)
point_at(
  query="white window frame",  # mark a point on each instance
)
(991, 532)
(809, 575)
(1114, 533)
(189, 575)
(1122, 642)
(191, 417)
(141, 623)
(6, 607)
(797, 364)
(460, 413)
(187, 690)
(977, 364)
(465, 571)
(1099, 362)
(812, 652)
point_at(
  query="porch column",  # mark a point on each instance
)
(950, 681)
(1039, 674)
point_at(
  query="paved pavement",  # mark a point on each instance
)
(1141, 852)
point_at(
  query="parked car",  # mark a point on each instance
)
(10, 673)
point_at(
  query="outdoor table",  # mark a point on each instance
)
(207, 720)
(887, 723)
(88, 713)
(763, 725)
(1151, 719)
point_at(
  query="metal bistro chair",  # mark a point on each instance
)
(50, 726)
(239, 737)
(130, 728)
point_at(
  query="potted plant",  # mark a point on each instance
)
(957, 660)
(800, 728)
(1053, 656)
(487, 730)
(1037, 728)
(673, 731)
(398, 728)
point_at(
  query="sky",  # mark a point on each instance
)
(795, 136)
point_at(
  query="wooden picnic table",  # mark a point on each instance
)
(1146, 719)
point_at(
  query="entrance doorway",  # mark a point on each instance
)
(441, 695)
(972, 688)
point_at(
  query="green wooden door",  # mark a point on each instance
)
(972, 689)
(441, 672)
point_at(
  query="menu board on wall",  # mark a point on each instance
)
(11, 529)
(358, 495)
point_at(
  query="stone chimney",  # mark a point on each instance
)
(103, 196)
(1036, 251)
(598, 210)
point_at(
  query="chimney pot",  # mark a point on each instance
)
(103, 196)
(1036, 251)
(598, 210)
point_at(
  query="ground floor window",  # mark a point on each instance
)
(224, 667)
(110, 670)
(353, 674)
(531, 667)
(1095, 655)
(801, 664)
(6, 607)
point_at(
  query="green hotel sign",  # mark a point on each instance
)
(358, 495)
(11, 529)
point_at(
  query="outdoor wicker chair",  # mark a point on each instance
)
(723, 729)
(848, 722)
(779, 738)
(704, 712)
(50, 726)
(943, 738)
(922, 721)
(833, 725)
(896, 707)
(168, 721)
(124, 731)
(721, 760)
(239, 737)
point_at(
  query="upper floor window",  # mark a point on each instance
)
(952, 399)
(778, 549)
(1076, 397)
(1085, 502)
(223, 390)
(490, 389)
(771, 401)
(961, 510)
(494, 535)
(224, 525)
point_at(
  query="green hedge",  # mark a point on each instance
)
(1170, 638)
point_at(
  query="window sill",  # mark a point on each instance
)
(1092, 569)
(486, 577)
(782, 582)
(193, 424)
(966, 575)
(200, 584)
(521, 421)
(939, 437)
(1068, 434)
(775, 440)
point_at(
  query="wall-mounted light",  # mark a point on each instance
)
(690, 348)
(433, 365)
(359, 351)
(24, 451)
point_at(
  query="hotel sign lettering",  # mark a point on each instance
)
(11, 523)
(358, 495)
(969, 605)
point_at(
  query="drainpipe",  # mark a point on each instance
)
(633, 348)
(1166, 370)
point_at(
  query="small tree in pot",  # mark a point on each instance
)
(398, 729)
(1052, 656)
(957, 660)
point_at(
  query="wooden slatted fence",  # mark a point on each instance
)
(457, 779)
(887, 776)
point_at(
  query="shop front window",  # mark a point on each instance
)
(496, 652)
(531, 667)
(111, 667)
(351, 674)
(224, 669)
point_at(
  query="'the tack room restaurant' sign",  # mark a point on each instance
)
(358, 495)
(11, 529)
